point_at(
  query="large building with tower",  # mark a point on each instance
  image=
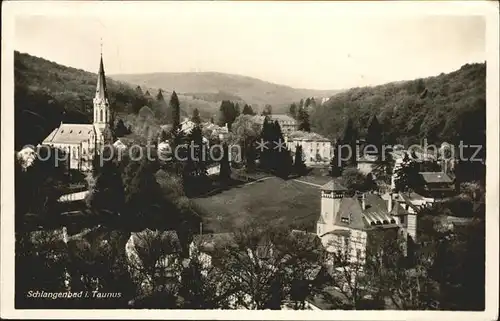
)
(81, 142)
(347, 220)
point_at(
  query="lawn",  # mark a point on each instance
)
(269, 202)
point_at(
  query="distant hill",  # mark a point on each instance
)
(47, 93)
(440, 108)
(213, 86)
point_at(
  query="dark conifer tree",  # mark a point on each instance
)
(225, 168)
(107, 195)
(293, 110)
(144, 198)
(299, 165)
(374, 137)
(350, 138)
(247, 110)
(196, 116)
(176, 110)
(159, 96)
(120, 129)
(303, 119)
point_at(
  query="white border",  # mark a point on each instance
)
(63, 8)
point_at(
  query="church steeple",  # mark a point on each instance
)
(101, 92)
(102, 112)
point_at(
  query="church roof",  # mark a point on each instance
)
(101, 90)
(70, 134)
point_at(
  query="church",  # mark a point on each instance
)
(81, 142)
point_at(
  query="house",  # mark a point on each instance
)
(347, 220)
(187, 125)
(81, 142)
(213, 169)
(437, 185)
(316, 149)
(287, 123)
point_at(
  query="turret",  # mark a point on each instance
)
(332, 194)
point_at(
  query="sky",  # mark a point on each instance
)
(296, 44)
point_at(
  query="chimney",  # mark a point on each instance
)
(363, 201)
(201, 228)
(389, 203)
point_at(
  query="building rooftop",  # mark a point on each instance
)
(212, 242)
(333, 186)
(279, 117)
(436, 177)
(282, 117)
(70, 134)
(375, 214)
(308, 136)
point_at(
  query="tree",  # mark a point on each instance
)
(120, 129)
(247, 110)
(354, 180)
(245, 131)
(336, 164)
(195, 174)
(196, 116)
(374, 137)
(407, 177)
(159, 96)
(293, 110)
(268, 110)
(299, 165)
(107, 193)
(45, 253)
(155, 262)
(307, 102)
(228, 112)
(144, 201)
(41, 174)
(225, 168)
(176, 110)
(99, 264)
(303, 119)
(252, 266)
(203, 288)
(349, 139)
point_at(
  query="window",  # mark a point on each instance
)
(402, 219)
(100, 115)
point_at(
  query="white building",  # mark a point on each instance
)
(316, 149)
(81, 141)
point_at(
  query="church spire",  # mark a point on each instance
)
(101, 90)
(102, 111)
